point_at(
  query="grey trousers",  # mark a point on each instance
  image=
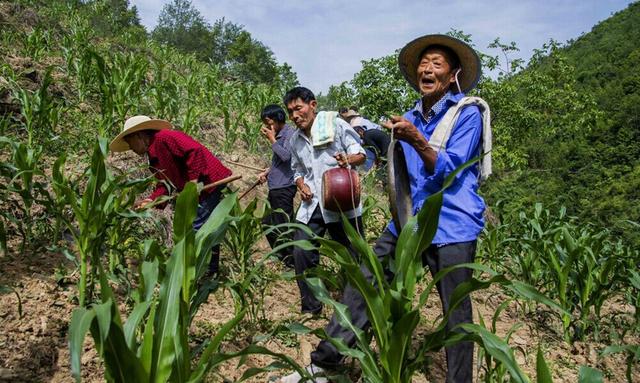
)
(460, 356)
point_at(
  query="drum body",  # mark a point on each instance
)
(340, 189)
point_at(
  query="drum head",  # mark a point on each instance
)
(399, 187)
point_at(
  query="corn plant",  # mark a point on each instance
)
(391, 306)
(494, 371)
(22, 176)
(37, 43)
(633, 357)
(248, 278)
(40, 111)
(584, 271)
(127, 76)
(105, 199)
(153, 345)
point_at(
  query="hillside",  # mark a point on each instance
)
(572, 139)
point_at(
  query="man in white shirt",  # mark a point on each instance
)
(309, 160)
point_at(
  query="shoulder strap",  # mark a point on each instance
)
(444, 128)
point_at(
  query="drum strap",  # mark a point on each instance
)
(443, 130)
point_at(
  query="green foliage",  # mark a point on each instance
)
(152, 345)
(567, 127)
(571, 261)
(379, 89)
(393, 306)
(98, 212)
(225, 44)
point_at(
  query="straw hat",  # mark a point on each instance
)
(349, 114)
(136, 124)
(409, 58)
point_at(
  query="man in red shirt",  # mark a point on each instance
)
(175, 159)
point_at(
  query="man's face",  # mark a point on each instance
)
(435, 74)
(301, 113)
(137, 143)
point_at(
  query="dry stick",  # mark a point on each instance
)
(245, 166)
(251, 188)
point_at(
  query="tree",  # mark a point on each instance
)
(241, 55)
(182, 26)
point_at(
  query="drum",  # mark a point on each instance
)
(340, 189)
(398, 184)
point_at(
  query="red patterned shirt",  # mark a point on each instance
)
(178, 158)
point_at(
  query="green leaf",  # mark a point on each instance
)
(498, 349)
(80, 322)
(589, 375)
(168, 317)
(185, 211)
(132, 322)
(543, 375)
(149, 278)
(103, 315)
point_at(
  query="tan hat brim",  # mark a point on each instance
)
(120, 145)
(408, 60)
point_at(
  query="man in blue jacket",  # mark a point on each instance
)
(441, 68)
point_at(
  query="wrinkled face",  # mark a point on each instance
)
(137, 142)
(301, 113)
(435, 73)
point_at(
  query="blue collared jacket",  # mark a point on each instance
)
(461, 216)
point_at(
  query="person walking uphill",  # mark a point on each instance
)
(279, 176)
(177, 158)
(321, 142)
(441, 68)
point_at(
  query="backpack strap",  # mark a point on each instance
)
(442, 132)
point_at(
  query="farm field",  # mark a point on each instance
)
(93, 289)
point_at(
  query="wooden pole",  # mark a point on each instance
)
(246, 166)
(222, 181)
(206, 187)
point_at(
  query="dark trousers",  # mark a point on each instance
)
(460, 356)
(205, 208)
(280, 199)
(305, 259)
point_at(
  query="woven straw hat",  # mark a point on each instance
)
(409, 58)
(136, 124)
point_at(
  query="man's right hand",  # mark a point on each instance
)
(305, 192)
(262, 177)
(139, 205)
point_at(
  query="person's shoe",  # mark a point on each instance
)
(312, 369)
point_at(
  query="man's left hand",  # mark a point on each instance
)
(269, 133)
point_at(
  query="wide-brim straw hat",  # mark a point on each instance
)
(136, 124)
(409, 58)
